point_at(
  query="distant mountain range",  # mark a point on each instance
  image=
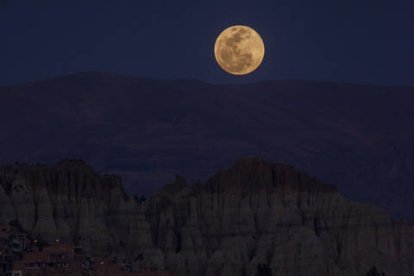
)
(359, 137)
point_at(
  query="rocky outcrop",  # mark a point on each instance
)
(257, 212)
(253, 213)
(69, 202)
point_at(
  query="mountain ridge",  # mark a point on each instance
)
(103, 75)
(359, 137)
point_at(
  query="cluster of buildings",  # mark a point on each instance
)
(22, 256)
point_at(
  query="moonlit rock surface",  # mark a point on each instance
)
(255, 212)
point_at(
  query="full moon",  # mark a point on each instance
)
(239, 50)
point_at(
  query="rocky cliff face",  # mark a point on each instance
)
(255, 212)
(69, 202)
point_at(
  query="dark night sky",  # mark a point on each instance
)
(364, 41)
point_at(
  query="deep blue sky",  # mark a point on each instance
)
(363, 41)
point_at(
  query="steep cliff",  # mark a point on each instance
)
(255, 212)
(70, 202)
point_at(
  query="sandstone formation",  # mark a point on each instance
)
(253, 213)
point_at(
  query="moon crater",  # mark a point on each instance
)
(239, 50)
